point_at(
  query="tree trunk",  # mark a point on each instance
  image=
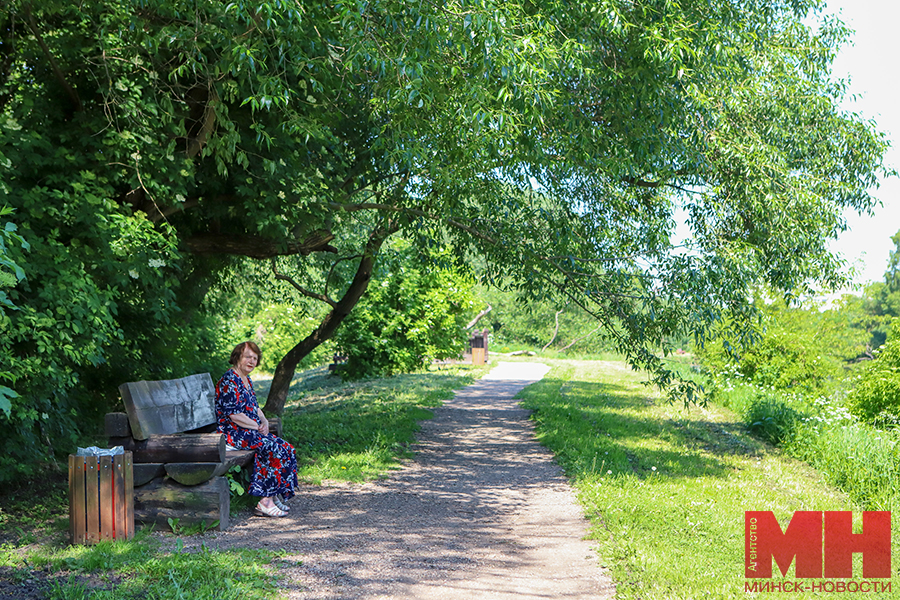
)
(555, 327)
(284, 371)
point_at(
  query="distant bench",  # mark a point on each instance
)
(180, 461)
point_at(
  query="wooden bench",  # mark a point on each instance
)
(180, 461)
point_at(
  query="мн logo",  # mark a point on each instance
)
(822, 543)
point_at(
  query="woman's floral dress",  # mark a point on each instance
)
(275, 465)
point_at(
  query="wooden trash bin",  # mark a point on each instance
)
(477, 356)
(101, 498)
(478, 342)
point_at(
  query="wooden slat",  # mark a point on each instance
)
(129, 495)
(91, 500)
(76, 499)
(169, 406)
(118, 490)
(106, 499)
(123, 524)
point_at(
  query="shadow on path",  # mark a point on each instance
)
(482, 512)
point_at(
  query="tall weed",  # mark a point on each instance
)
(857, 458)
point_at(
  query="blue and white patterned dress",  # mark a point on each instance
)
(275, 465)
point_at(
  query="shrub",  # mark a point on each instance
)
(797, 349)
(773, 420)
(876, 394)
(414, 310)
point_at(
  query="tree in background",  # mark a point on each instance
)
(879, 303)
(518, 319)
(797, 348)
(147, 143)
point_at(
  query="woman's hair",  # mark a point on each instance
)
(239, 351)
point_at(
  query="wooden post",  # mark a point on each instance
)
(206, 503)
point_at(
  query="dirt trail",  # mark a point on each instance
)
(482, 512)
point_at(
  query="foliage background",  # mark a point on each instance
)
(162, 155)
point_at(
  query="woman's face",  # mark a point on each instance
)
(247, 362)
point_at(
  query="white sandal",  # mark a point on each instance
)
(281, 504)
(268, 511)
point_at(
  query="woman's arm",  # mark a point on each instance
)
(242, 420)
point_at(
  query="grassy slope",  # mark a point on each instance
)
(666, 488)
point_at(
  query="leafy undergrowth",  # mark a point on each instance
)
(666, 487)
(361, 430)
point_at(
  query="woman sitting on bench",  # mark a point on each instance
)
(246, 428)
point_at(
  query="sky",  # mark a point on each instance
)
(870, 62)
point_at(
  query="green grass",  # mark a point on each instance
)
(859, 459)
(362, 430)
(666, 488)
(137, 569)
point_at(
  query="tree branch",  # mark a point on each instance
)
(416, 212)
(285, 369)
(478, 317)
(301, 289)
(555, 328)
(581, 338)
(70, 92)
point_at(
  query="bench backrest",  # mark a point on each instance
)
(170, 406)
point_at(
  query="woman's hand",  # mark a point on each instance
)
(263, 422)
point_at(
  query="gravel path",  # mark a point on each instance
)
(482, 512)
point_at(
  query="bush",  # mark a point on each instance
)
(773, 420)
(876, 392)
(793, 352)
(413, 311)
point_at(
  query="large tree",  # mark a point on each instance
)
(559, 140)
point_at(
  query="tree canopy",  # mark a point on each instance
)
(560, 141)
